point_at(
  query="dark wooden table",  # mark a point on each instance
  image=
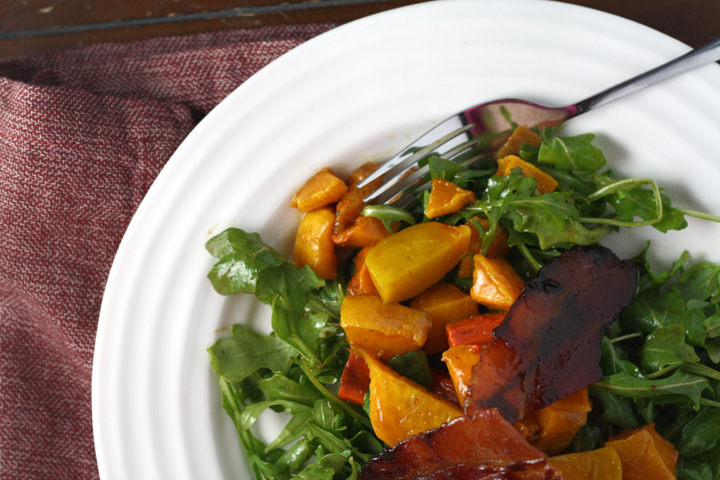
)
(31, 26)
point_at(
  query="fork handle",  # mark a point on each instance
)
(695, 58)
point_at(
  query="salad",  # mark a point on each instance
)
(479, 332)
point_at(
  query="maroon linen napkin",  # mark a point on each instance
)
(83, 133)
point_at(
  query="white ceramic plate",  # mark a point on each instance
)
(359, 93)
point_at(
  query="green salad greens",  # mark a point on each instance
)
(660, 358)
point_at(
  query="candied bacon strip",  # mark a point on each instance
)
(482, 446)
(549, 344)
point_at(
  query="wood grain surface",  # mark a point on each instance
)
(31, 26)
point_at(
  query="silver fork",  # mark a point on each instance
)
(457, 134)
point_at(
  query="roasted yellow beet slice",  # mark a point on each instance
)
(445, 303)
(600, 464)
(401, 408)
(383, 329)
(407, 263)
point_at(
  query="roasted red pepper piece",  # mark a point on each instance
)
(548, 346)
(482, 446)
(475, 330)
(355, 380)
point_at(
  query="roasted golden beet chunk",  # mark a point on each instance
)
(548, 346)
(483, 446)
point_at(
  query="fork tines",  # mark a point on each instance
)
(401, 175)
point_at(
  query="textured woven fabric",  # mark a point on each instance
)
(83, 134)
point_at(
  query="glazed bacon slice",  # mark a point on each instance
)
(549, 344)
(479, 447)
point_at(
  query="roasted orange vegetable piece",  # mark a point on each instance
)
(522, 135)
(313, 242)
(355, 380)
(560, 421)
(321, 190)
(475, 330)
(600, 464)
(410, 261)
(351, 204)
(382, 329)
(365, 232)
(401, 408)
(460, 361)
(498, 248)
(644, 454)
(496, 284)
(361, 283)
(446, 197)
(545, 182)
(444, 303)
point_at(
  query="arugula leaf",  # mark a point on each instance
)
(571, 153)
(643, 203)
(711, 458)
(552, 218)
(576, 182)
(282, 387)
(442, 168)
(679, 383)
(612, 362)
(552, 230)
(297, 455)
(617, 410)
(316, 472)
(651, 310)
(691, 469)
(653, 279)
(666, 346)
(287, 289)
(701, 433)
(242, 257)
(388, 215)
(700, 281)
(239, 356)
